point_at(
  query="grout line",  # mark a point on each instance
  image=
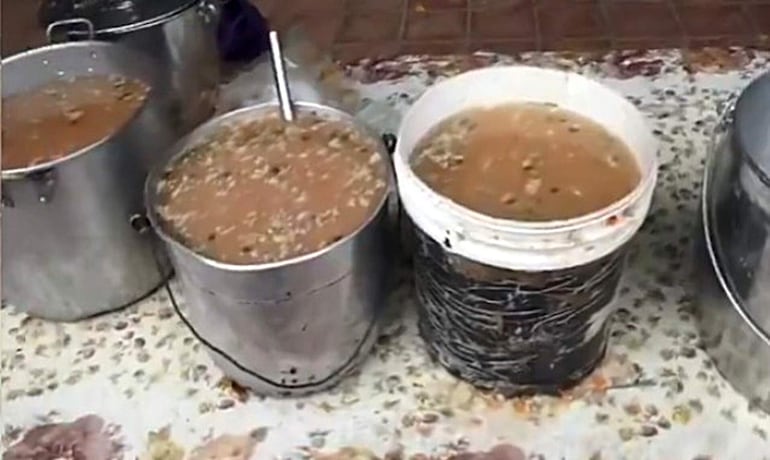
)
(468, 16)
(604, 15)
(538, 36)
(684, 39)
(341, 30)
(756, 31)
(402, 26)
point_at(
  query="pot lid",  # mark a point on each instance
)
(752, 124)
(113, 16)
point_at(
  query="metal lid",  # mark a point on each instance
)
(752, 124)
(113, 16)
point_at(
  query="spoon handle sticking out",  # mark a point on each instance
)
(279, 74)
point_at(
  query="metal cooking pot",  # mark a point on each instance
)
(734, 245)
(68, 247)
(291, 327)
(180, 34)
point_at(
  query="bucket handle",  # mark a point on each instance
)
(141, 224)
(68, 23)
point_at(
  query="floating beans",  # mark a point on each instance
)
(514, 161)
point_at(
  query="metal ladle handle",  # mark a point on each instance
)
(279, 75)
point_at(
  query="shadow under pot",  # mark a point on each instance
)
(69, 247)
(287, 326)
(517, 306)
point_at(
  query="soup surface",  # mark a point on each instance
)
(263, 190)
(526, 161)
(62, 117)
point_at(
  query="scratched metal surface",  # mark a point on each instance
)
(656, 395)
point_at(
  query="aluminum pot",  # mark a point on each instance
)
(180, 34)
(69, 250)
(733, 245)
(292, 327)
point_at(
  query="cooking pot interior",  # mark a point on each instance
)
(200, 134)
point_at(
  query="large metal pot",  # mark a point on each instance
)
(734, 245)
(68, 247)
(180, 34)
(291, 327)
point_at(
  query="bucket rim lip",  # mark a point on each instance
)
(24, 172)
(648, 178)
(182, 147)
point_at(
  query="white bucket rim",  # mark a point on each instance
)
(466, 231)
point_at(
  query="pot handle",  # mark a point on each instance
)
(389, 139)
(69, 26)
(208, 10)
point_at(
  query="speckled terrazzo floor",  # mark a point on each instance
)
(656, 397)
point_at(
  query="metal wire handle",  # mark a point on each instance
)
(142, 225)
(333, 375)
(89, 26)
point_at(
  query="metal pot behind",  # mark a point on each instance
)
(292, 327)
(733, 245)
(68, 246)
(180, 34)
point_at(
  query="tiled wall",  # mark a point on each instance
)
(358, 28)
(19, 28)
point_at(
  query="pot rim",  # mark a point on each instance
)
(759, 86)
(182, 147)
(713, 254)
(23, 172)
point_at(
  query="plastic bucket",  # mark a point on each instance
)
(509, 305)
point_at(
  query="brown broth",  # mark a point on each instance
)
(263, 190)
(526, 161)
(63, 117)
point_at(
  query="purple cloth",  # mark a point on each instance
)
(242, 34)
